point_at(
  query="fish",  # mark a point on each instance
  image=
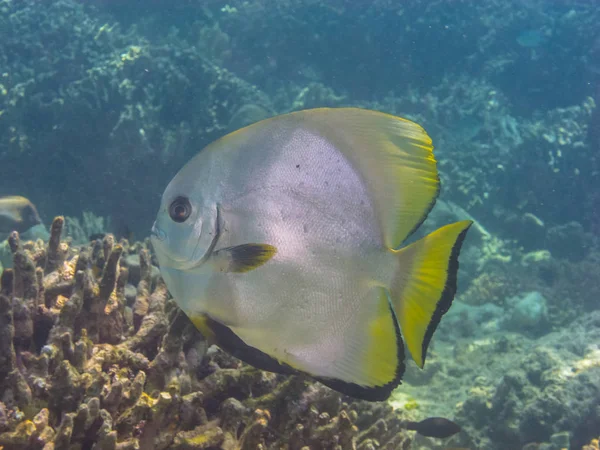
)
(436, 427)
(17, 214)
(283, 244)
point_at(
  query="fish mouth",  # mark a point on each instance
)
(157, 233)
(160, 242)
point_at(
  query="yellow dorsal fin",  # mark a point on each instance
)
(394, 157)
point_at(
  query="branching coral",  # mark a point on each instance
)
(83, 365)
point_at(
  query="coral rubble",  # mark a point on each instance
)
(89, 361)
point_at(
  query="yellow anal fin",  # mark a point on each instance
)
(242, 258)
(425, 284)
(202, 323)
(372, 363)
(369, 365)
(382, 358)
(226, 338)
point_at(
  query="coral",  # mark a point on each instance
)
(493, 286)
(83, 364)
(317, 95)
(572, 284)
(527, 313)
(90, 224)
(552, 152)
(264, 36)
(247, 115)
(85, 89)
(570, 287)
(540, 391)
(568, 241)
(92, 348)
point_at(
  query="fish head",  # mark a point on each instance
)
(185, 231)
(19, 213)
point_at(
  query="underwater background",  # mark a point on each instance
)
(102, 101)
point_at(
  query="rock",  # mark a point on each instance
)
(527, 313)
(132, 262)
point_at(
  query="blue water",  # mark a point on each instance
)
(102, 101)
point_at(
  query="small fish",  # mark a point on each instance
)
(435, 427)
(17, 214)
(281, 242)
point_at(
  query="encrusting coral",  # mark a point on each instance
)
(593, 445)
(88, 361)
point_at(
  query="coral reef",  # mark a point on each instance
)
(90, 360)
(262, 41)
(102, 101)
(80, 231)
(508, 144)
(141, 99)
(569, 287)
(125, 112)
(551, 388)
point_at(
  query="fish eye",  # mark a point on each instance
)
(180, 209)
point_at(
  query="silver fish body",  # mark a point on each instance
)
(17, 214)
(287, 243)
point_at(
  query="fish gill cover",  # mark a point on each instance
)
(101, 102)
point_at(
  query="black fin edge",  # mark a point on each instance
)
(232, 344)
(377, 393)
(445, 301)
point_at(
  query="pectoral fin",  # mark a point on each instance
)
(242, 258)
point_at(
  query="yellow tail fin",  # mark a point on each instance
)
(425, 284)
